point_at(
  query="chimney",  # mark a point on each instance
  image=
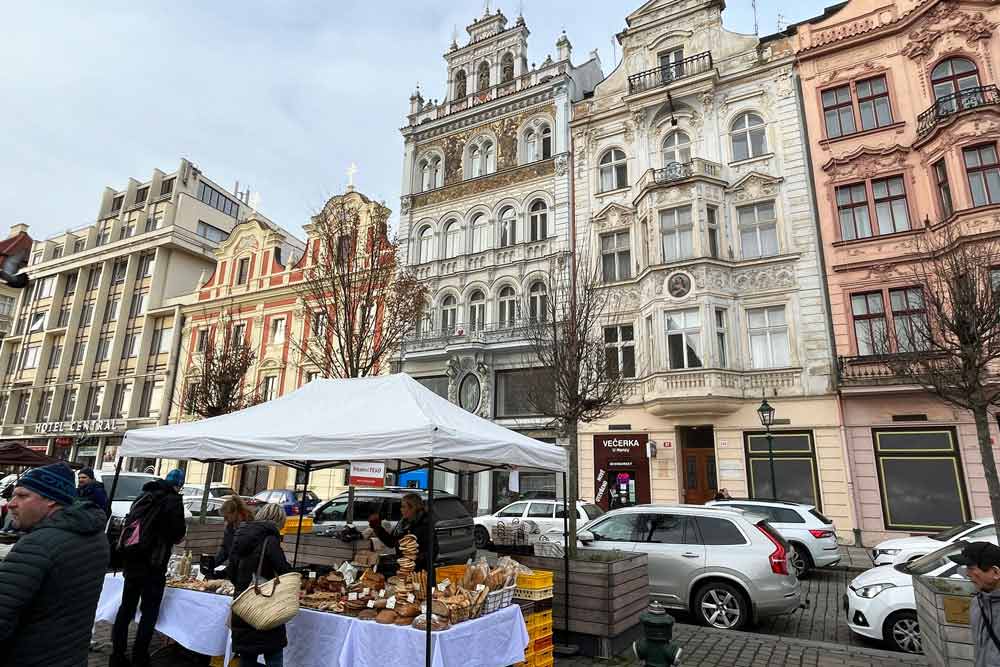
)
(17, 229)
(564, 47)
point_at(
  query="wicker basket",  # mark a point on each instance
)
(498, 600)
(270, 604)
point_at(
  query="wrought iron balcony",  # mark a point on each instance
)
(667, 73)
(679, 171)
(464, 334)
(950, 105)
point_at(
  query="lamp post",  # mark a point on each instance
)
(766, 414)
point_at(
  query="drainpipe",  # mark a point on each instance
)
(844, 450)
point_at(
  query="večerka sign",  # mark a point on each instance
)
(621, 445)
(83, 426)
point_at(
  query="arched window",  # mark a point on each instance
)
(489, 158)
(546, 142)
(424, 169)
(452, 239)
(748, 137)
(426, 245)
(477, 311)
(476, 162)
(429, 173)
(449, 313)
(676, 148)
(484, 76)
(481, 237)
(951, 77)
(614, 170)
(508, 227)
(508, 307)
(507, 68)
(530, 146)
(537, 302)
(461, 89)
(538, 218)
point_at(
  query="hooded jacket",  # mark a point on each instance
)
(95, 493)
(248, 541)
(50, 583)
(985, 610)
(169, 528)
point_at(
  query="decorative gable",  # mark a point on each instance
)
(614, 215)
(753, 186)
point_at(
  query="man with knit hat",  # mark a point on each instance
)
(90, 489)
(159, 513)
(51, 580)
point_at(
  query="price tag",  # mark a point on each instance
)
(364, 591)
(410, 598)
(312, 575)
(444, 583)
(442, 587)
(352, 596)
(391, 603)
(371, 604)
(381, 593)
(480, 587)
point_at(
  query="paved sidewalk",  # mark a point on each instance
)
(854, 558)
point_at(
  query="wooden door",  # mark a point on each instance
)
(700, 479)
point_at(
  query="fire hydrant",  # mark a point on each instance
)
(655, 649)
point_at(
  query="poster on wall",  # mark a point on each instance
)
(621, 470)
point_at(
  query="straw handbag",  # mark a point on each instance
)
(270, 604)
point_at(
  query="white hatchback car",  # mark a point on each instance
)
(546, 514)
(903, 549)
(812, 536)
(880, 603)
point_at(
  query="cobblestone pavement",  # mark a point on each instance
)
(854, 558)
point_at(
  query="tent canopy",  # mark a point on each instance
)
(328, 422)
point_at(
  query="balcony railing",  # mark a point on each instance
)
(497, 332)
(950, 105)
(679, 171)
(666, 74)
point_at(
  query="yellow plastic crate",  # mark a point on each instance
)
(544, 658)
(540, 631)
(539, 618)
(533, 593)
(536, 580)
(219, 659)
(292, 525)
(454, 573)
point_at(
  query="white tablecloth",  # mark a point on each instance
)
(197, 621)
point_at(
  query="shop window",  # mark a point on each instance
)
(920, 478)
(524, 393)
(437, 383)
(794, 467)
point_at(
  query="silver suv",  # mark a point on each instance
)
(726, 566)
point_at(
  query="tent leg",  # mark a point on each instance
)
(204, 494)
(302, 514)
(431, 571)
(350, 506)
(114, 487)
(566, 511)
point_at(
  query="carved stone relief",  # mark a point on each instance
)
(562, 165)
(866, 162)
(764, 278)
(945, 19)
(755, 186)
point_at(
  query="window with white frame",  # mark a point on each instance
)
(68, 406)
(722, 349)
(676, 148)
(453, 239)
(44, 406)
(481, 237)
(684, 339)
(537, 302)
(21, 417)
(111, 308)
(37, 321)
(152, 397)
(546, 134)
(242, 270)
(676, 233)
(619, 350)
(201, 342)
(482, 158)
(749, 137)
(103, 348)
(130, 346)
(613, 170)
(425, 244)
(712, 227)
(616, 257)
(449, 314)
(477, 311)
(79, 351)
(44, 287)
(318, 325)
(269, 387)
(122, 400)
(507, 304)
(758, 230)
(29, 357)
(508, 227)
(277, 330)
(95, 400)
(769, 345)
(430, 173)
(538, 221)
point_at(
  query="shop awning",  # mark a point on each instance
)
(16, 454)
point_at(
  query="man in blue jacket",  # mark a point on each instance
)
(90, 489)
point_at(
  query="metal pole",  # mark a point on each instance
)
(114, 486)
(770, 457)
(302, 513)
(431, 583)
(350, 506)
(566, 548)
(204, 494)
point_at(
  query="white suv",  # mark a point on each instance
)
(903, 549)
(545, 514)
(812, 536)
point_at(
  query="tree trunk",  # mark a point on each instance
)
(574, 488)
(982, 417)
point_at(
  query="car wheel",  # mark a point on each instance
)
(902, 632)
(722, 606)
(800, 560)
(482, 537)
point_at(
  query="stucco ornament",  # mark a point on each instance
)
(679, 285)
(943, 20)
(770, 277)
(404, 204)
(866, 162)
(562, 164)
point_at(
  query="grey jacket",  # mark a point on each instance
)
(985, 608)
(49, 586)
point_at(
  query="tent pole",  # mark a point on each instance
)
(431, 571)
(566, 510)
(114, 487)
(302, 515)
(204, 494)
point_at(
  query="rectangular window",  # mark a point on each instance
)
(7, 305)
(118, 271)
(166, 335)
(838, 111)
(242, 271)
(44, 406)
(37, 258)
(44, 288)
(141, 195)
(676, 233)
(920, 478)
(616, 257)
(794, 466)
(152, 396)
(873, 103)
(138, 305)
(720, 337)
(166, 187)
(712, 218)
(768, 329)
(95, 400)
(71, 284)
(94, 277)
(103, 348)
(943, 188)
(684, 339)
(869, 323)
(122, 399)
(29, 357)
(130, 346)
(202, 342)
(145, 265)
(57, 252)
(312, 375)
(56, 354)
(437, 383)
(211, 232)
(87, 314)
(111, 308)
(524, 393)
(68, 406)
(852, 210)
(79, 351)
(318, 325)
(758, 230)
(983, 170)
(345, 247)
(12, 359)
(619, 350)
(269, 387)
(104, 234)
(277, 330)
(909, 319)
(79, 245)
(22, 408)
(890, 205)
(238, 334)
(116, 203)
(217, 200)
(37, 321)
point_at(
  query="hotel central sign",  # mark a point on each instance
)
(83, 426)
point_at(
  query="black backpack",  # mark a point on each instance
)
(139, 533)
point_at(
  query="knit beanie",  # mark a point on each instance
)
(175, 477)
(89, 472)
(55, 482)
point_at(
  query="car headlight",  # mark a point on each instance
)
(888, 552)
(873, 590)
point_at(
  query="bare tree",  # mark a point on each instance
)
(363, 301)
(578, 383)
(953, 350)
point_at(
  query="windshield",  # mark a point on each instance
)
(593, 511)
(220, 491)
(954, 531)
(932, 561)
(129, 488)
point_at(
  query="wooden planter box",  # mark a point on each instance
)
(202, 538)
(606, 598)
(320, 550)
(943, 613)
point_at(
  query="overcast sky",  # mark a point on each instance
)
(281, 96)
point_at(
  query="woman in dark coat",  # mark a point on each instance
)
(236, 513)
(415, 522)
(253, 536)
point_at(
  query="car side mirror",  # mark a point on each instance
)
(585, 536)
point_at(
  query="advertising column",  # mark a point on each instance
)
(621, 470)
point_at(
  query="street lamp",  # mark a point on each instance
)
(766, 414)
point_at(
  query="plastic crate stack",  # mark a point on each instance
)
(534, 594)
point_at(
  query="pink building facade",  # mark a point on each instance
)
(903, 116)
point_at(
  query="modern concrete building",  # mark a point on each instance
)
(94, 348)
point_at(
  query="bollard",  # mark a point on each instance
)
(655, 648)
